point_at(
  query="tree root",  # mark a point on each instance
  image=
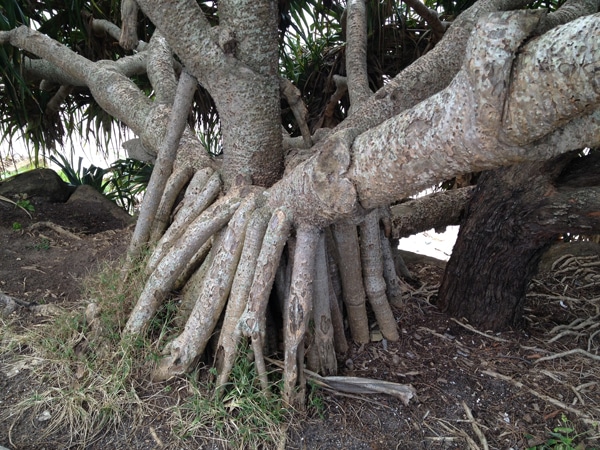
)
(372, 263)
(57, 228)
(296, 315)
(162, 279)
(230, 332)
(253, 320)
(235, 279)
(215, 290)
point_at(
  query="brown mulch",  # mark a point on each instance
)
(476, 389)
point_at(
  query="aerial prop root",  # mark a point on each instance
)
(246, 256)
(163, 277)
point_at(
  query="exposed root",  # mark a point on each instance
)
(372, 264)
(583, 416)
(209, 306)
(354, 296)
(57, 228)
(175, 184)
(163, 278)
(230, 332)
(297, 314)
(321, 353)
(195, 202)
(475, 426)
(253, 320)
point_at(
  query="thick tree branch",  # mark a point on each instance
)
(252, 141)
(432, 211)
(129, 18)
(436, 143)
(557, 72)
(187, 30)
(255, 25)
(428, 74)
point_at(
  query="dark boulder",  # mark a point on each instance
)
(40, 183)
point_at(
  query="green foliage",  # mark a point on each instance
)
(123, 182)
(43, 244)
(25, 204)
(563, 437)
(16, 226)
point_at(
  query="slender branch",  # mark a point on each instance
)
(356, 53)
(341, 87)
(432, 211)
(164, 163)
(294, 99)
(53, 106)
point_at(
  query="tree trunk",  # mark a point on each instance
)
(514, 216)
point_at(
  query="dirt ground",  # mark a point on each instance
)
(475, 389)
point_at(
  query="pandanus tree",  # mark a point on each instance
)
(291, 222)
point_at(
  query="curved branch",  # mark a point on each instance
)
(294, 98)
(161, 73)
(570, 10)
(430, 16)
(428, 74)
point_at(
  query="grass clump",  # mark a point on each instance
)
(89, 382)
(240, 416)
(87, 379)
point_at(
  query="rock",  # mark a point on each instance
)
(87, 198)
(43, 183)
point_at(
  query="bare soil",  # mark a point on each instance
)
(475, 389)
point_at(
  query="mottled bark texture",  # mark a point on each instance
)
(463, 107)
(514, 216)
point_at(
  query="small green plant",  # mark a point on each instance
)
(44, 244)
(25, 204)
(8, 200)
(16, 226)
(562, 438)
